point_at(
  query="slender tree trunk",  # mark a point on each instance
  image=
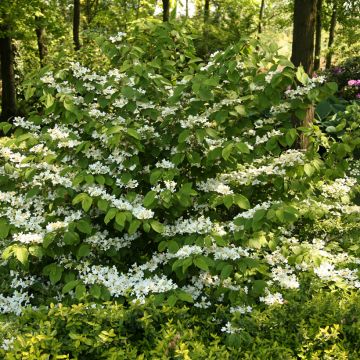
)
(8, 98)
(303, 52)
(76, 25)
(166, 10)
(303, 34)
(40, 35)
(187, 9)
(318, 35)
(206, 11)
(331, 36)
(261, 16)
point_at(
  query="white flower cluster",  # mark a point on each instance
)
(301, 91)
(119, 284)
(102, 240)
(182, 226)
(215, 186)
(21, 122)
(230, 329)
(194, 121)
(271, 299)
(285, 277)
(275, 166)
(266, 137)
(30, 238)
(118, 37)
(339, 188)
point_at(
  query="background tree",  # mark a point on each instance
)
(261, 16)
(166, 10)
(318, 35)
(303, 51)
(332, 27)
(303, 34)
(76, 25)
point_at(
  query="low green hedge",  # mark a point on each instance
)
(324, 326)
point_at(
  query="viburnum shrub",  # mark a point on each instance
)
(141, 180)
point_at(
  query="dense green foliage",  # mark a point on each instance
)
(323, 326)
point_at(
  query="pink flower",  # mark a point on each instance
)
(354, 82)
(358, 96)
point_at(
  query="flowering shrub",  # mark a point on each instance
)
(178, 181)
(347, 75)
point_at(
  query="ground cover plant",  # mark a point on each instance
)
(164, 179)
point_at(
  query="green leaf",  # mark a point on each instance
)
(80, 291)
(155, 176)
(55, 274)
(184, 296)
(86, 203)
(149, 198)
(110, 215)
(242, 201)
(4, 228)
(243, 148)
(48, 239)
(226, 152)
(22, 254)
(290, 136)
(183, 136)
(71, 238)
(134, 133)
(103, 205)
(83, 250)
(259, 215)
(228, 201)
(309, 169)
(70, 286)
(120, 218)
(226, 271)
(134, 225)
(172, 299)
(95, 291)
(84, 226)
(201, 263)
(157, 226)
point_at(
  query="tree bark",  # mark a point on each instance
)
(206, 11)
(8, 98)
(331, 35)
(40, 35)
(187, 9)
(303, 52)
(206, 25)
(303, 34)
(166, 10)
(318, 35)
(76, 25)
(261, 16)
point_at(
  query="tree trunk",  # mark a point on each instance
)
(206, 26)
(303, 52)
(206, 11)
(303, 34)
(187, 8)
(166, 10)
(261, 16)
(76, 25)
(331, 36)
(40, 35)
(8, 98)
(318, 35)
